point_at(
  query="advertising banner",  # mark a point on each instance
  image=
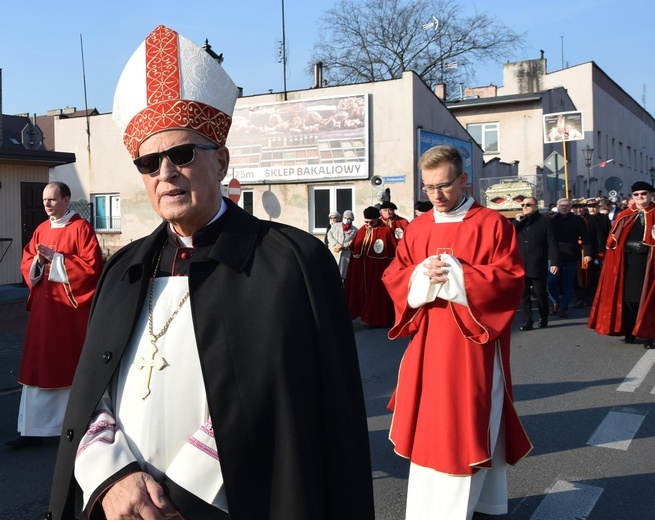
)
(563, 126)
(300, 141)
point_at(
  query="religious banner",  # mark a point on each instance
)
(563, 126)
(307, 140)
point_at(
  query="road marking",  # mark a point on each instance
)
(567, 501)
(617, 429)
(638, 373)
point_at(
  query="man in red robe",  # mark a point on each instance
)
(372, 250)
(61, 265)
(625, 297)
(396, 223)
(456, 283)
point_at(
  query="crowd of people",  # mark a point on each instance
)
(596, 252)
(272, 423)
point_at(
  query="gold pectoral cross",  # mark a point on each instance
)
(153, 361)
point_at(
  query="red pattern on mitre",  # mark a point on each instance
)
(165, 108)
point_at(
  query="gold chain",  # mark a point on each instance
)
(154, 337)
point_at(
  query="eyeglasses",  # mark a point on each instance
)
(441, 187)
(640, 194)
(369, 221)
(528, 204)
(180, 155)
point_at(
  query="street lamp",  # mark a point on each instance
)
(588, 152)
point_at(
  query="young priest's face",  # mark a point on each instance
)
(453, 184)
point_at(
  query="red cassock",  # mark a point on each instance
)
(397, 225)
(607, 311)
(372, 250)
(59, 312)
(442, 403)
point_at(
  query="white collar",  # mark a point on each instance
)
(61, 221)
(454, 215)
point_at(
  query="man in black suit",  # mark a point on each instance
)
(536, 239)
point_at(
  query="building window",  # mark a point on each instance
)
(486, 135)
(247, 201)
(107, 213)
(323, 199)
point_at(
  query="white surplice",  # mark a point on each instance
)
(170, 431)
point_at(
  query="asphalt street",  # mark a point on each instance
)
(586, 402)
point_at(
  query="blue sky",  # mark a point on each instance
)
(42, 68)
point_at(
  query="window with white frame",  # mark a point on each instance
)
(323, 200)
(486, 135)
(107, 212)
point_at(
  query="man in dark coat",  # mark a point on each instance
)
(219, 378)
(599, 229)
(537, 244)
(570, 230)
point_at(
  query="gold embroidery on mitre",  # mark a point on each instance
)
(183, 114)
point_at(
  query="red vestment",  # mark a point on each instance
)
(607, 311)
(397, 225)
(372, 250)
(59, 312)
(442, 403)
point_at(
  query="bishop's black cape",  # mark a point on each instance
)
(279, 363)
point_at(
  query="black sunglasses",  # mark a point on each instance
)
(180, 155)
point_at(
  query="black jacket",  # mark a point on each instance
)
(537, 244)
(568, 230)
(280, 366)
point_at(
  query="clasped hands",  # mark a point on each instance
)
(44, 254)
(436, 270)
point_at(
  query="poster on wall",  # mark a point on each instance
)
(427, 140)
(563, 126)
(305, 140)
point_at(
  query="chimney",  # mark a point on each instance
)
(440, 91)
(318, 74)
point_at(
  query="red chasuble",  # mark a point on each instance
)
(372, 250)
(59, 312)
(442, 403)
(397, 225)
(607, 311)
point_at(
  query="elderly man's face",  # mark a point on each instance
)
(529, 206)
(187, 196)
(642, 198)
(564, 207)
(387, 213)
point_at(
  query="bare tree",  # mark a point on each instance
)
(374, 40)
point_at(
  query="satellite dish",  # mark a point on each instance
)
(32, 137)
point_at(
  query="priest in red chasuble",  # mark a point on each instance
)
(456, 283)
(372, 250)
(61, 265)
(625, 297)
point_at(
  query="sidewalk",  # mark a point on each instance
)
(13, 323)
